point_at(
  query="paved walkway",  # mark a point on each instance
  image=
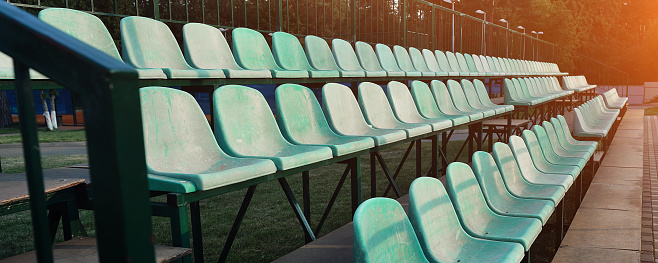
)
(51, 148)
(608, 225)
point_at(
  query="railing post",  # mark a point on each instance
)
(404, 23)
(156, 10)
(279, 25)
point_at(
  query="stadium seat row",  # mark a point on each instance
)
(577, 83)
(532, 91)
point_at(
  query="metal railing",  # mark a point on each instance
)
(109, 92)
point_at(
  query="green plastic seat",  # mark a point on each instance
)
(420, 63)
(441, 236)
(566, 150)
(405, 107)
(321, 58)
(474, 99)
(463, 65)
(405, 63)
(206, 48)
(536, 169)
(289, 54)
(528, 91)
(379, 114)
(475, 65)
(150, 44)
(445, 103)
(461, 102)
(180, 145)
(251, 51)
(90, 30)
(302, 121)
(390, 64)
(7, 69)
(499, 199)
(432, 64)
(383, 233)
(568, 142)
(555, 154)
(347, 60)
(345, 117)
(554, 163)
(444, 64)
(511, 91)
(478, 219)
(427, 106)
(487, 67)
(516, 184)
(454, 65)
(567, 133)
(245, 127)
(481, 91)
(369, 60)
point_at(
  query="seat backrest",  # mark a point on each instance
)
(345, 55)
(443, 99)
(452, 60)
(435, 220)
(383, 233)
(375, 106)
(458, 96)
(342, 110)
(300, 116)
(481, 91)
(403, 58)
(471, 94)
(470, 62)
(367, 57)
(177, 136)
(431, 61)
(85, 27)
(425, 102)
(485, 64)
(244, 123)
(401, 101)
(552, 134)
(251, 50)
(386, 58)
(491, 181)
(499, 66)
(418, 60)
(462, 62)
(443, 61)
(288, 52)
(148, 43)
(535, 150)
(206, 48)
(522, 154)
(509, 89)
(492, 65)
(467, 197)
(508, 167)
(319, 54)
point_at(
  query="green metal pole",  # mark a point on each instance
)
(404, 23)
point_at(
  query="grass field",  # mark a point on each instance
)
(16, 164)
(270, 229)
(44, 136)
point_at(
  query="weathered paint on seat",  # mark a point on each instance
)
(405, 63)
(251, 51)
(461, 102)
(390, 64)
(405, 108)
(474, 100)
(572, 151)
(245, 127)
(379, 114)
(463, 65)
(478, 219)
(530, 167)
(516, 184)
(369, 61)
(555, 164)
(499, 199)
(419, 62)
(345, 117)
(321, 58)
(481, 91)
(383, 233)
(442, 238)
(431, 63)
(555, 154)
(206, 48)
(347, 60)
(289, 54)
(446, 104)
(90, 30)
(444, 64)
(180, 145)
(564, 138)
(454, 65)
(148, 43)
(427, 107)
(302, 121)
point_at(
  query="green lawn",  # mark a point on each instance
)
(651, 111)
(45, 136)
(16, 164)
(270, 229)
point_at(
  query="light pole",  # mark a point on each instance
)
(453, 21)
(506, 34)
(538, 43)
(484, 32)
(520, 27)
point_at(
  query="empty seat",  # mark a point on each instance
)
(420, 64)
(461, 102)
(289, 54)
(390, 64)
(180, 145)
(454, 65)
(405, 63)
(445, 103)
(345, 117)
(444, 64)
(369, 60)
(383, 233)
(347, 60)
(427, 106)
(557, 155)
(474, 99)
(90, 30)
(463, 65)
(251, 51)
(320, 57)
(560, 123)
(441, 236)
(148, 43)
(206, 48)
(481, 91)
(405, 107)
(541, 171)
(564, 148)
(302, 121)
(432, 64)
(245, 127)
(478, 219)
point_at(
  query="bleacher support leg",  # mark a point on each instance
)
(197, 237)
(526, 257)
(306, 199)
(373, 176)
(180, 229)
(418, 159)
(559, 223)
(444, 147)
(298, 211)
(236, 224)
(325, 215)
(356, 183)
